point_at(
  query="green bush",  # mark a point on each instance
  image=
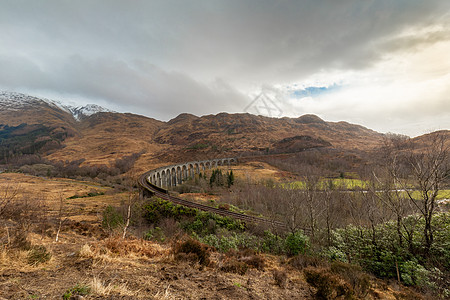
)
(334, 254)
(112, 219)
(78, 290)
(155, 234)
(225, 240)
(272, 243)
(296, 243)
(412, 273)
(378, 250)
(206, 223)
(157, 209)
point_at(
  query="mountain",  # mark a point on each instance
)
(99, 136)
(18, 102)
(243, 133)
(16, 108)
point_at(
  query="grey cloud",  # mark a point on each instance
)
(415, 42)
(138, 87)
(264, 40)
(162, 58)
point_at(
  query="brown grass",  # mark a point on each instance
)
(116, 247)
(328, 285)
(192, 250)
(280, 277)
(101, 288)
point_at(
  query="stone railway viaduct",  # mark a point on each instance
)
(174, 175)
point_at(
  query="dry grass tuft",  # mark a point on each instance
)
(100, 288)
(22, 260)
(116, 247)
(164, 295)
(37, 255)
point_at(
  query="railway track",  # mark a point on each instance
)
(164, 194)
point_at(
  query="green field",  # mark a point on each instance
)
(353, 185)
(336, 183)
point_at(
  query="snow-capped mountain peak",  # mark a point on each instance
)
(14, 101)
(87, 110)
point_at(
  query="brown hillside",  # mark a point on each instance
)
(426, 139)
(39, 112)
(104, 137)
(232, 134)
(107, 136)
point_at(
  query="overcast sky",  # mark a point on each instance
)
(384, 64)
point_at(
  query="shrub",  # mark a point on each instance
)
(112, 219)
(254, 261)
(249, 257)
(224, 206)
(208, 223)
(195, 251)
(155, 234)
(38, 254)
(232, 265)
(157, 209)
(353, 274)
(272, 243)
(225, 240)
(296, 243)
(280, 278)
(302, 261)
(334, 254)
(413, 273)
(78, 290)
(328, 285)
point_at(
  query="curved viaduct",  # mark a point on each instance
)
(174, 175)
(153, 182)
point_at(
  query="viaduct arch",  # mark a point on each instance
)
(174, 175)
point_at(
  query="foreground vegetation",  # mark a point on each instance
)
(387, 219)
(376, 250)
(95, 261)
(366, 234)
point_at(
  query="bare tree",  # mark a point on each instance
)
(312, 207)
(132, 197)
(293, 202)
(60, 215)
(9, 193)
(427, 167)
(331, 196)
